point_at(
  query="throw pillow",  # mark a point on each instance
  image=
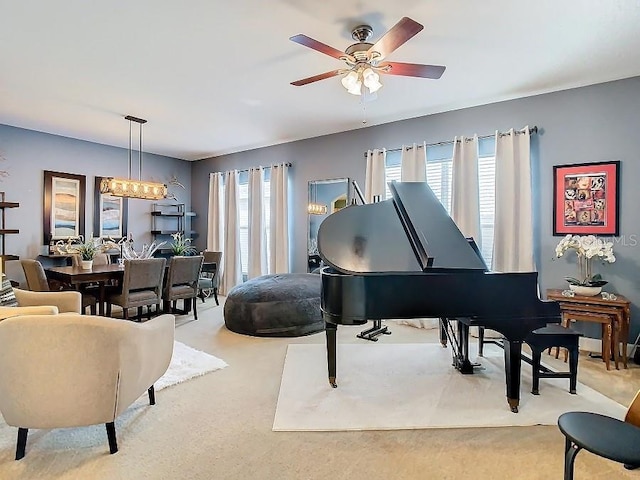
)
(7, 295)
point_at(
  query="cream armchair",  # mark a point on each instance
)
(93, 371)
(43, 303)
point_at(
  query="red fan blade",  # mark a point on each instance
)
(399, 34)
(319, 46)
(315, 78)
(413, 69)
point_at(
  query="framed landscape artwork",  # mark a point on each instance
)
(110, 214)
(64, 201)
(586, 199)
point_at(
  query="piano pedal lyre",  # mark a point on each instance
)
(373, 332)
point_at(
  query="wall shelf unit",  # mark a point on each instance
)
(168, 219)
(6, 231)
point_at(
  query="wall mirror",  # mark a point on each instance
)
(325, 197)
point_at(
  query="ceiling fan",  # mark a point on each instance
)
(366, 60)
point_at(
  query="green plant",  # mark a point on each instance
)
(182, 245)
(87, 250)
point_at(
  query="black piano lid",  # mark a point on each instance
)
(411, 232)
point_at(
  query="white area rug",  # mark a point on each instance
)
(187, 363)
(405, 386)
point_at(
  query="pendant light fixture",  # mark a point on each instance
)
(315, 208)
(131, 188)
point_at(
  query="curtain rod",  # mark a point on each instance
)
(532, 130)
(288, 164)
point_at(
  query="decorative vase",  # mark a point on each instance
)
(87, 264)
(584, 264)
(585, 291)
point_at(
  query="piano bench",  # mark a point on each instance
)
(553, 336)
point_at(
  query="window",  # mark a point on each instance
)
(439, 178)
(487, 184)
(243, 217)
(243, 222)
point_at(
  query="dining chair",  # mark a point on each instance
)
(209, 277)
(141, 287)
(37, 282)
(182, 284)
(98, 259)
(102, 259)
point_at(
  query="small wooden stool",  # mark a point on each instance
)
(610, 332)
(553, 336)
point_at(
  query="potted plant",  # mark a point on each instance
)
(87, 249)
(181, 246)
(588, 248)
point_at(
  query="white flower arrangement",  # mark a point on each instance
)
(587, 247)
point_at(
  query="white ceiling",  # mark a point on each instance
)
(212, 76)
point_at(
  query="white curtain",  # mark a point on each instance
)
(232, 274)
(257, 261)
(279, 220)
(465, 191)
(513, 237)
(413, 166)
(375, 175)
(215, 213)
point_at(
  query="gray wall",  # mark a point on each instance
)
(26, 154)
(589, 124)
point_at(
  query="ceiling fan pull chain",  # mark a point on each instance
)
(364, 108)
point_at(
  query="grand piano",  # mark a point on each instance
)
(405, 258)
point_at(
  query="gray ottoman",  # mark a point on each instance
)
(280, 305)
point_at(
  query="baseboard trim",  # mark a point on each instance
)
(595, 345)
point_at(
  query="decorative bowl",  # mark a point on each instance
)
(585, 291)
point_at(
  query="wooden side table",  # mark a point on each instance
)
(613, 314)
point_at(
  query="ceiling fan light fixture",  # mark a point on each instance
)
(371, 80)
(355, 89)
(352, 82)
(350, 79)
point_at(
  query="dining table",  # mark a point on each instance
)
(97, 274)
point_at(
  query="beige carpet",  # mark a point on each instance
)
(404, 386)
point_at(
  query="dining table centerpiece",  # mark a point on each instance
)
(86, 249)
(588, 248)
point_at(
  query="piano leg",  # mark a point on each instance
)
(331, 329)
(512, 368)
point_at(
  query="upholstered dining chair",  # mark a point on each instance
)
(98, 259)
(182, 283)
(93, 371)
(209, 277)
(102, 259)
(141, 286)
(37, 282)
